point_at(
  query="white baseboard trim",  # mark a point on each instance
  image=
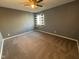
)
(61, 37)
(1, 49)
(16, 35)
(39, 31)
(10, 38)
(57, 35)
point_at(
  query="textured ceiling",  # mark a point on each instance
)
(18, 4)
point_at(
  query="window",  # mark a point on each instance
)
(40, 19)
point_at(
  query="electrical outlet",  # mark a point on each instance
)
(8, 34)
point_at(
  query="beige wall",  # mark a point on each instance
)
(64, 20)
(15, 22)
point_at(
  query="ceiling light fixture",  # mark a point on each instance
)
(33, 6)
(33, 3)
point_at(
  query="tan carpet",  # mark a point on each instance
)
(36, 45)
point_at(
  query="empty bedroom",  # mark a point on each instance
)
(39, 29)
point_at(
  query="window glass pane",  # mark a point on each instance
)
(40, 19)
